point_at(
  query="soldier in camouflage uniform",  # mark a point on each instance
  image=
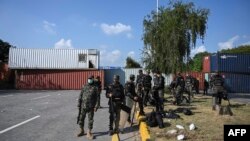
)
(130, 92)
(139, 83)
(87, 104)
(157, 92)
(115, 93)
(146, 87)
(98, 84)
(217, 84)
(179, 87)
(189, 86)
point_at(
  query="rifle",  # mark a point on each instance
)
(79, 113)
(229, 108)
(112, 108)
(133, 115)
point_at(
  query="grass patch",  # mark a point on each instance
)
(209, 123)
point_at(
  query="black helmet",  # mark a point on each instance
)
(140, 71)
(131, 76)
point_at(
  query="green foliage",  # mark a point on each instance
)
(240, 49)
(4, 51)
(196, 63)
(169, 36)
(131, 63)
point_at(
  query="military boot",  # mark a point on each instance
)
(81, 133)
(90, 135)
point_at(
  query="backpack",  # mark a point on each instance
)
(151, 119)
(159, 120)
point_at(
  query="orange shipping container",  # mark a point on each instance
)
(54, 79)
(199, 76)
(206, 64)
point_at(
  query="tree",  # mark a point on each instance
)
(131, 63)
(240, 49)
(195, 64)
(4, 51)
(170, 35)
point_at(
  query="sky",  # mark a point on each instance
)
(115, 27)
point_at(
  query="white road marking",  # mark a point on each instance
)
(7, 95)
(19, 124)
(58, 94)
(40, 97)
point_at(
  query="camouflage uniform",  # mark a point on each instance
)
(87, 102)
(98, 84)
(156, 87)
(130, 92)
(180, 86)
(139, 83)
(189, 86)
(217, 83)
(146, 87)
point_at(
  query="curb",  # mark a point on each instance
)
(143, 128)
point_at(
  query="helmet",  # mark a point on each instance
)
(132, 77)
(140, 71)
(116, 77)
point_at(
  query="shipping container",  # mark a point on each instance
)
(54, 79)
(109, 74)
(200, 76)
(124, 74)
(4, 71)
(206, 64)
(237, 83)
(23, 58)
(230, 63)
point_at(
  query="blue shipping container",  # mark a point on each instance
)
(237, 83)
(231, 63)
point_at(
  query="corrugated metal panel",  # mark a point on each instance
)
(214, 63)
(237, 83)
(199, 76)
(135, 71)
(126, 72)
(20, 58)
(206, 64)
(232, 63)
(129, 71)
(109, 74)
(3, 70)
(55, 79)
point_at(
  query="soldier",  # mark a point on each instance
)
(87, 104)
(139, 83)
(130, 92)
(189, 86)
(157, 91)
(180, 86)
(217, 85)
(115, 93)
(146, 87)
(206, 85)
(98, 84)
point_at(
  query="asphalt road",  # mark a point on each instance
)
(50, 116)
